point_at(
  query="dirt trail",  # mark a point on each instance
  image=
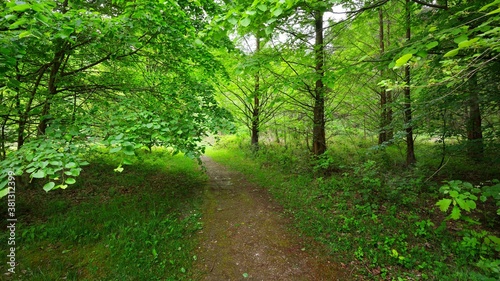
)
(245, 236)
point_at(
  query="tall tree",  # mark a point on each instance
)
(65, 61)
(410, 145)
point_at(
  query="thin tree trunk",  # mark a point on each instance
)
(475, 146)
(53, 76)
(256, 105)
(52, 87)
(410, 146)
(3, 150)
(382, 137)
(319, 136)
(389, 130)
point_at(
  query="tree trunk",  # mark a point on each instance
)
(52, 87)
(389, 130)
(475, 146)
(410, 146)
(3, 150)
(256, 104)
(382, 137)
(319, 136)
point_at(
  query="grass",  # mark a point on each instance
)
(134, 225)
(371, 212)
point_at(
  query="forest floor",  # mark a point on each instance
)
(245, 236)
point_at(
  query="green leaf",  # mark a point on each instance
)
(232, 20)
(394, 253)
(39, 174)
(462, 203)
(129, 152)
(444, 204)
(494, 12)
(489, 5)
(245, 275)
(471, 204)
(455, 213)
(119, 169)
(495, 239)
(461, 38)
(48, 186)
(70, 181)
(10, 17)
(245, 22)
(277, 12)
(25, 34)
(431, 45)
(66, 32)
(454, 194)
(262, 7)
(197, 42)
(422, 54)
(467, 43)
(403, 60)
(74, 172)
(4, 192)
(21, 7)
(70, 165)
(115, 149)
(55, 163)
(451, 53)
(269, 30)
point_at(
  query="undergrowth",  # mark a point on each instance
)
(374, 214)
(135, 225)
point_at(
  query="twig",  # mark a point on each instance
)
(437, 171)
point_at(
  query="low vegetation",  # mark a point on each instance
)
(133, 225)
(377, 217)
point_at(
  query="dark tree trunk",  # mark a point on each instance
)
(389, 131)
(256, 105)
(475, 146)
(21, 122)
(52, 87)
(3, 150)
(410, 146)
(319, 136)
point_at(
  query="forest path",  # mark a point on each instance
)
(246, 237)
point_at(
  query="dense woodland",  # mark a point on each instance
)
(408, 88)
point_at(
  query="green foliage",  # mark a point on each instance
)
(112, 226)
(474, 244)
(57, 158)
(493, 192)
(370, 213)
(77, 74)
(463, 197)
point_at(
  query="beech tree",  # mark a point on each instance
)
(123, 74)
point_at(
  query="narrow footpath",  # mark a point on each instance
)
(245, 236)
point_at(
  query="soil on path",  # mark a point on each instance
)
(246, 237)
